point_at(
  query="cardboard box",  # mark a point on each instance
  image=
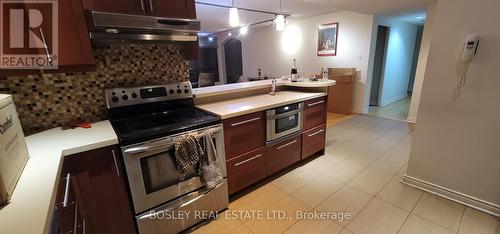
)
(13, 150)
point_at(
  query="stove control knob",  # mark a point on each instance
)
(186, 91)
(125, 97)
(115, 99)
(134, 95)
(171, 91)
(179, 91)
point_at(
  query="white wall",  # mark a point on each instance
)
(399, 58)
(456, 144)
(262, 48)
(422, 63)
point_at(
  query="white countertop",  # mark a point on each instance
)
(235, 107)
(32, 202)
(253, 85)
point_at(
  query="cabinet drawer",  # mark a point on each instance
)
(314, 113)
(313, 141)
(244, 133)
(282, 154)
(245, 170)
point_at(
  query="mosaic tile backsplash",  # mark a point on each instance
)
(53, 100)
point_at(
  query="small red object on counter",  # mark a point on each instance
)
(83, 125)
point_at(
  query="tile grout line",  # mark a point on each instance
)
(411, 212)
(461, 220)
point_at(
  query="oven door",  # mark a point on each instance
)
(283, 120)
(152, 172)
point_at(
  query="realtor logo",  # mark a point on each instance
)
(28, 34)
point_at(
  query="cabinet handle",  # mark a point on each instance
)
(49, 58)
(287, 144)
(244, 122)
(151, 5)
(83, 226)
(248, 160)
(116, 163)
(142, 5)
(316, 133)
(66, 190)
(315, 103)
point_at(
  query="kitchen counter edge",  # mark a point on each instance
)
(35, 192)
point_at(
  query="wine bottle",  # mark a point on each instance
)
(293, 74)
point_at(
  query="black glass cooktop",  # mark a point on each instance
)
(146, 127)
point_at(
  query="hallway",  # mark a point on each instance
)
(397, 110)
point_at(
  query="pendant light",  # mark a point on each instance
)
(234, 18)
(280, 21)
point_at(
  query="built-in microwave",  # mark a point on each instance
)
(283, 120)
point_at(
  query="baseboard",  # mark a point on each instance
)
(411, 119)
(359, 110)
(476, 203)
(399, 97)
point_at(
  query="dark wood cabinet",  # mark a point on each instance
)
(136, 7)
(246, 169)
(314, 113)
(161, 8)
(98, 200)
(70, 214)
(103, 190)
(282, 154)
(172, 8)
(243, 134)
(75, 49)
(313, 141)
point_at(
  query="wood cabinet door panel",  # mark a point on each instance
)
(244, 133)
(283, 154)
(314, 113)
(246, 169)
(172, 8)
(75, 49)
(103, 190)
(313, 141)
(136, 7)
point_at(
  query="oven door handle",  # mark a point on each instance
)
(178, 205)
(286, 114)
(150, 149)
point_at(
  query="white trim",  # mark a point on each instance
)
(394, 99)
(485, 206)
(411, 119)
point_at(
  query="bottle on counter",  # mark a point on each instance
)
(294, 73)
(272, 89)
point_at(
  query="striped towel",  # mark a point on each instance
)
(188, 152)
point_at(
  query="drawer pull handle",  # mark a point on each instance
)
(66, 190)
(316, 133)
(244, 122)
(287, 144)
(116, 163)
(315, 103)
(248, 160)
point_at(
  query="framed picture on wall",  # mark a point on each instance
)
(327, 39)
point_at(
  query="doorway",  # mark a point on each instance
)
(233, 60)
(378, 69)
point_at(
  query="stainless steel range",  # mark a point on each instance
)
(148, 121)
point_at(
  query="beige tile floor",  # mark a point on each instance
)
(397, 110)
(359, 173)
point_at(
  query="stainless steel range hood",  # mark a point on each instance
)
(106, 27)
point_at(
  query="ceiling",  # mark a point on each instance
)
(215, 19)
